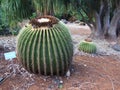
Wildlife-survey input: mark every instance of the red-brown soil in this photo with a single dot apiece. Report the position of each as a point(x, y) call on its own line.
point(88, 73)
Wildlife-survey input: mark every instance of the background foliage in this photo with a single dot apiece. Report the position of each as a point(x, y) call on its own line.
point(99, 13)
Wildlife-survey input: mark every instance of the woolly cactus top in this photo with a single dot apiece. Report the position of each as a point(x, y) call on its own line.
point(44, 21)
point(88, 40)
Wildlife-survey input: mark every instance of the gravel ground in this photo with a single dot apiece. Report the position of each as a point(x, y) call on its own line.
point(9, 42)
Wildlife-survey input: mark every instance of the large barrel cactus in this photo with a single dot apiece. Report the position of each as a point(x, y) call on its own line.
point(44, 46)
point(87, 46)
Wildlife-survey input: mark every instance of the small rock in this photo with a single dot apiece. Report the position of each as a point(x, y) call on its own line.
point(68, 73)
point(64, 21)
point(1, 79)
point(61, 81)
point(45, 79)
point(82, 23)
point(85, 65)
point(6, 49)
point(77, 21)
point(116, 47)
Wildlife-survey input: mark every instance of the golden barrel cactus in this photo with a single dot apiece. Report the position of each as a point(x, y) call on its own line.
point(44, 46)
point(87, 46)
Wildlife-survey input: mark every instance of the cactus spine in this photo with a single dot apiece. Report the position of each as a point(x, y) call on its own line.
point(87, 46)
point(45, 47)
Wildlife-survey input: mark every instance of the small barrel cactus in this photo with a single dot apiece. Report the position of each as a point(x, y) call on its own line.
point(87, 46)
point(44, 46)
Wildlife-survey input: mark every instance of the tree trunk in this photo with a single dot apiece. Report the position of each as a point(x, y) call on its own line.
point(92, 28)
point(118, 40)
point(106, 22)
point(118, 33)
point(113, 26)
point(98, 30)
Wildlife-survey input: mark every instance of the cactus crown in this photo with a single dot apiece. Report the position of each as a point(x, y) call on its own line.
point(88, 40)
point(44, 21)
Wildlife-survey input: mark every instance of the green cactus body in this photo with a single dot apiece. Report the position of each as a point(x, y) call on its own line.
point(45, 48)
point(88, 47)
